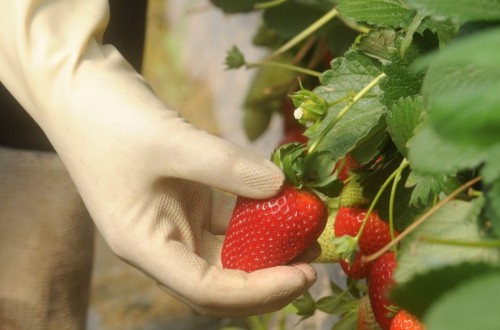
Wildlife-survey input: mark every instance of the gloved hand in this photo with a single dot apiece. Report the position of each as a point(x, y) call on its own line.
point(145, 175)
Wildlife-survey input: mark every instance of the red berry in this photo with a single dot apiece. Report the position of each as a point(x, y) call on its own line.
point(272, 232)
point(380, 281)
point(405, 321)
point(376, 234)
point(357, 270)
point(344, 166)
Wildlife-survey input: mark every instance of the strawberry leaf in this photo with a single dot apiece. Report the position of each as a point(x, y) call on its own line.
point(369, 148)
point(305, 305)
point(445, 30)
point(462, 10)
point(402, 80)
point(457, 221)
point(378, 44)
point(417, 295)
point(473, 305)
point(427, 187)
point(402, 119)
point(319, 166)
point(389, 13)
point(349, 75)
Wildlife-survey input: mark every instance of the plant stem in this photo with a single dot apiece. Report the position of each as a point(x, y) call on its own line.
point(393, 175)
point(342, 112)
point(415, 24)
point(473, 244)
point(285, 66)
point(355, 26)
point(420, 220)
point(304, 34)
point(400, 169)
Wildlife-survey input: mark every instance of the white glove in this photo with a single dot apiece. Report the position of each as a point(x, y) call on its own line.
point(143, 172)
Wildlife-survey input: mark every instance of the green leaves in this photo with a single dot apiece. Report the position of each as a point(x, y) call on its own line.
point(456, 221)
point(348, 76)
point(402, 120)
point(474, 305)
point(311, 171)
point(462, 125)
point(462, 10)
point(389, 13)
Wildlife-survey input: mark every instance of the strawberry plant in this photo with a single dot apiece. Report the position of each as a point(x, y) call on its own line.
point(397, 107)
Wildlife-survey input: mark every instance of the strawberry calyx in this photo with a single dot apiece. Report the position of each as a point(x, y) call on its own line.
point(311, 171)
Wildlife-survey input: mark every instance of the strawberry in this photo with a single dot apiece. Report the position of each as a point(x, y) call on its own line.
point(357, 269)
point(272, 232)
point(345, 166)
point(375, 235)
point(325, 240)
point(352, 194)
point(366, 318)
point(380, 281)
point(405, 321)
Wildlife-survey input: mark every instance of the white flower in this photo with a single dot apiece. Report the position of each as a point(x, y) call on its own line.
point(298, 113)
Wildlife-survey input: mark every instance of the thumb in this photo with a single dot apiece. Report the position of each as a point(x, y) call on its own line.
point(218, 163)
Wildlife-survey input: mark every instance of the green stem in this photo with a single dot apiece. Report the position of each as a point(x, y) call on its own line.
point(305, 33)
point(378, 195)
point(453, 242)
point(285, 66)
point(342, 112)
point(355, 26)
point(400, 169)
point(415, 24)
point(269, 4)
point(420, 220)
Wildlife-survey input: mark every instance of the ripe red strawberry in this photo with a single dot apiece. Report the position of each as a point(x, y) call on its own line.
point(366, 318)
point(380, 281)
point(345, 166)
point(405, 321)
point(272, 232)
point(357, 269)
point(375, 235)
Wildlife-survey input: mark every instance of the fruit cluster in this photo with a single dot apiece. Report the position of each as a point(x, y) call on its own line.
point(363, 233)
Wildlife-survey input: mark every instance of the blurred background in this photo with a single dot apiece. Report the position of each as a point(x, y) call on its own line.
point(186, 45)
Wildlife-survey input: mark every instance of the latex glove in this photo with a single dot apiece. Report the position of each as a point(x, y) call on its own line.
point(144, 173)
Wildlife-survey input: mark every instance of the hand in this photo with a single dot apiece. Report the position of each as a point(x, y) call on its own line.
point(146, 176)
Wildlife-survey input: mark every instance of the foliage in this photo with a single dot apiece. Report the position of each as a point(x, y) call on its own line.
point(413, 81)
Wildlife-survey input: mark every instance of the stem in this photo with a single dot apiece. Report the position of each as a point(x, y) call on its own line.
point(269, 4)
point(420, 220)
point(285, 66)
point(355, 26)
point(393, 175)
point(400, 169)
point(452, 242)
point(415, 24)
point(342, 112)
point(305, 33)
